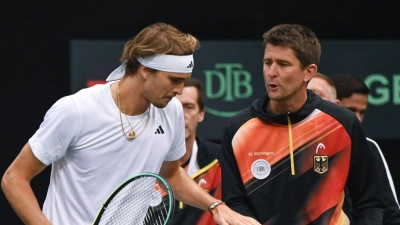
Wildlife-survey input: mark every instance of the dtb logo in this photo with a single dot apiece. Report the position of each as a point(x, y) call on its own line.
point(228, 82)
point(234, 82)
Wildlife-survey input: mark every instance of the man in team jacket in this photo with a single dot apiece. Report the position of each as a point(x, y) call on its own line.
point(200, 160)
point(293, 158)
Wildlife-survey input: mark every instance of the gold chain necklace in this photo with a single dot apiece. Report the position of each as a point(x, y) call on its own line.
point(137, 124)
point(131, 135)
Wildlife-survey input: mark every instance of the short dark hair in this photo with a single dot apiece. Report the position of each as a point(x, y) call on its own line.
point(346, 85)
point(300, 39)
point(192, 82)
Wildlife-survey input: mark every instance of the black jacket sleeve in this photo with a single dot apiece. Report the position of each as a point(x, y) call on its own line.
point(365, 191)
point(391, 214)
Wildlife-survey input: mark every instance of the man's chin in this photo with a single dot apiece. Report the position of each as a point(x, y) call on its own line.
point(163, 103)
point(160, 104)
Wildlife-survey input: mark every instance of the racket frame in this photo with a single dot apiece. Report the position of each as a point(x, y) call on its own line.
point(168, 189)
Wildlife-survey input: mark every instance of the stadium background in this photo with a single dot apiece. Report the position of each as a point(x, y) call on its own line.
point(35, 49)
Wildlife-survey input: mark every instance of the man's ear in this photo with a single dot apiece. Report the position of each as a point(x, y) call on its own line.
point(201, 115)
point(337, 101)
point(311, 70)
point(144, 72)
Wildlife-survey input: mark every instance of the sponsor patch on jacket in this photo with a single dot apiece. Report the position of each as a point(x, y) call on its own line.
point(260, 168)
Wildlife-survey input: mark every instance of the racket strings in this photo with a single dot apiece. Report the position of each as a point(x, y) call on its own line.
point(157, 215)
point(139, 202)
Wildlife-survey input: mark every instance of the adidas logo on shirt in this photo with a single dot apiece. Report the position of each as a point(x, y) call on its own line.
point(159, 130)
point(190, 65)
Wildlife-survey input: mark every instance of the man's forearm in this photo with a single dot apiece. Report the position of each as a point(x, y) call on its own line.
point(22, 199)
point(187, 191)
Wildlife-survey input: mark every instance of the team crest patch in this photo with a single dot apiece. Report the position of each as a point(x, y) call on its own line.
point(260, 169)
point(320, 163)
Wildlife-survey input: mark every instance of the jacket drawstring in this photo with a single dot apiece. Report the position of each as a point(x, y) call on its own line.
point(291, 145)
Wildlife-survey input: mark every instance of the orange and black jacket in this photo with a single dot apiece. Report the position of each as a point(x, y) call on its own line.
point(209, 178)
point(300, 168)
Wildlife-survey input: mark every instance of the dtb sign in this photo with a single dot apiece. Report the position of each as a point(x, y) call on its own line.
point(228, 82)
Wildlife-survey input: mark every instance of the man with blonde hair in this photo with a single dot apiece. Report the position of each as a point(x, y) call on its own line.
point(102, 135)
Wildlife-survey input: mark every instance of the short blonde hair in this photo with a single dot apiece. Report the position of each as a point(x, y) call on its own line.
point(159, 38)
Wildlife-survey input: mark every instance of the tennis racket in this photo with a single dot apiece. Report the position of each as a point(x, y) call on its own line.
point(146, 199)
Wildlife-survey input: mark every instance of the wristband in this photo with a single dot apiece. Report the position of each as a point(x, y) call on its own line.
point(214, 205)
